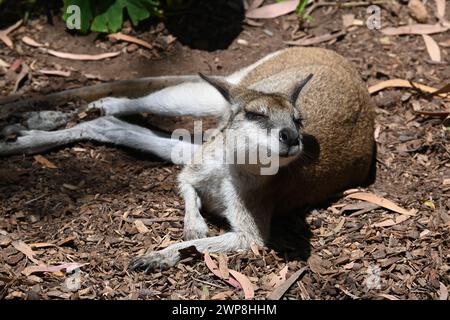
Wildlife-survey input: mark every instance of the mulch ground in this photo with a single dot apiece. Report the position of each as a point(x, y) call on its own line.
point(84, 210)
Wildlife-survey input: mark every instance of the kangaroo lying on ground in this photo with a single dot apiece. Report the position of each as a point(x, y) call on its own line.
point(280, 103)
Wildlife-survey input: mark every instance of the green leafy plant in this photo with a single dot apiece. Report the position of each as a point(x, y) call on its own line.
point(108, 15)
point(300, 11)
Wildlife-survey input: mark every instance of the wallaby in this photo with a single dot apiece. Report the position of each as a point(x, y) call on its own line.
point(286, 102)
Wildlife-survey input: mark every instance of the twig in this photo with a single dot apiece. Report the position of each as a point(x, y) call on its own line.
point(344, 5)
point(35, 199)
point(209, 283)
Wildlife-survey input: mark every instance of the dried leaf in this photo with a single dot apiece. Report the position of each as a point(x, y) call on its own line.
point(83, 57)
point(26, 250)
point(56, 73)
point(388, 296)
point(22, 75)
point(390, 222)
point(4, 33)
point(255, 4)
point(27, 40)
point(69, 267)
point(432, 48)
point(401, 83)
point(444, 89)
point(140, 226)
point(127, 38)
point(414, 29)
point(245, 284)
point(212, 266)
point(382, 202)
point(273, 10)
point(279, 291)
point(45, 162)
point(317, 40)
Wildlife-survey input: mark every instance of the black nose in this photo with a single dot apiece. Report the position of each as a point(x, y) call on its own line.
point(289, 137)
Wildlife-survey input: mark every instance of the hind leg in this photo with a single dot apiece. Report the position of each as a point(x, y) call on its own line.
point(197, 99)
point(105, 129)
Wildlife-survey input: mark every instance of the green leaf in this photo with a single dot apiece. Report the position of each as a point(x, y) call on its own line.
point(107, 15)
point(111, 20)
point(137, 11)
point(301, 7)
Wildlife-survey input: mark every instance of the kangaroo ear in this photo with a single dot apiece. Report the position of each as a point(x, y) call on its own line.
point(298, 88)
point(222, 86)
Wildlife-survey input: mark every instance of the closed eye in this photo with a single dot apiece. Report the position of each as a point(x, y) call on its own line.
point(298, 121)
point(254, 116)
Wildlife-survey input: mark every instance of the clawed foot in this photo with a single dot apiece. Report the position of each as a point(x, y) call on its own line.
point(154, 261)
point(108, 106)
point(197, 230)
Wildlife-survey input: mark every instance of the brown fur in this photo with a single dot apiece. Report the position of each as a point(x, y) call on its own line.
point(337, 112)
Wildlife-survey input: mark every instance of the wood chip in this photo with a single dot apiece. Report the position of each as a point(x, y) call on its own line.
point(316, 40)
point(223, 266)
point(440, 8)
point(418, 11)
point(443, 291)
point(45, 162)
point(4, 64)
point(255, 249)
point(279, 291)
point(140, 226)
point(40, 245)
point(70, 186)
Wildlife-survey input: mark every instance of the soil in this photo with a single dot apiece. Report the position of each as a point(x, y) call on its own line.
point(84, 210)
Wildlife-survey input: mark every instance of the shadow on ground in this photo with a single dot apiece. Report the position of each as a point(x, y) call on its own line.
point(206, 25)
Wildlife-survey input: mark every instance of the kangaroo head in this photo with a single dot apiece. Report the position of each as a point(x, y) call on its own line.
point(269, 121)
